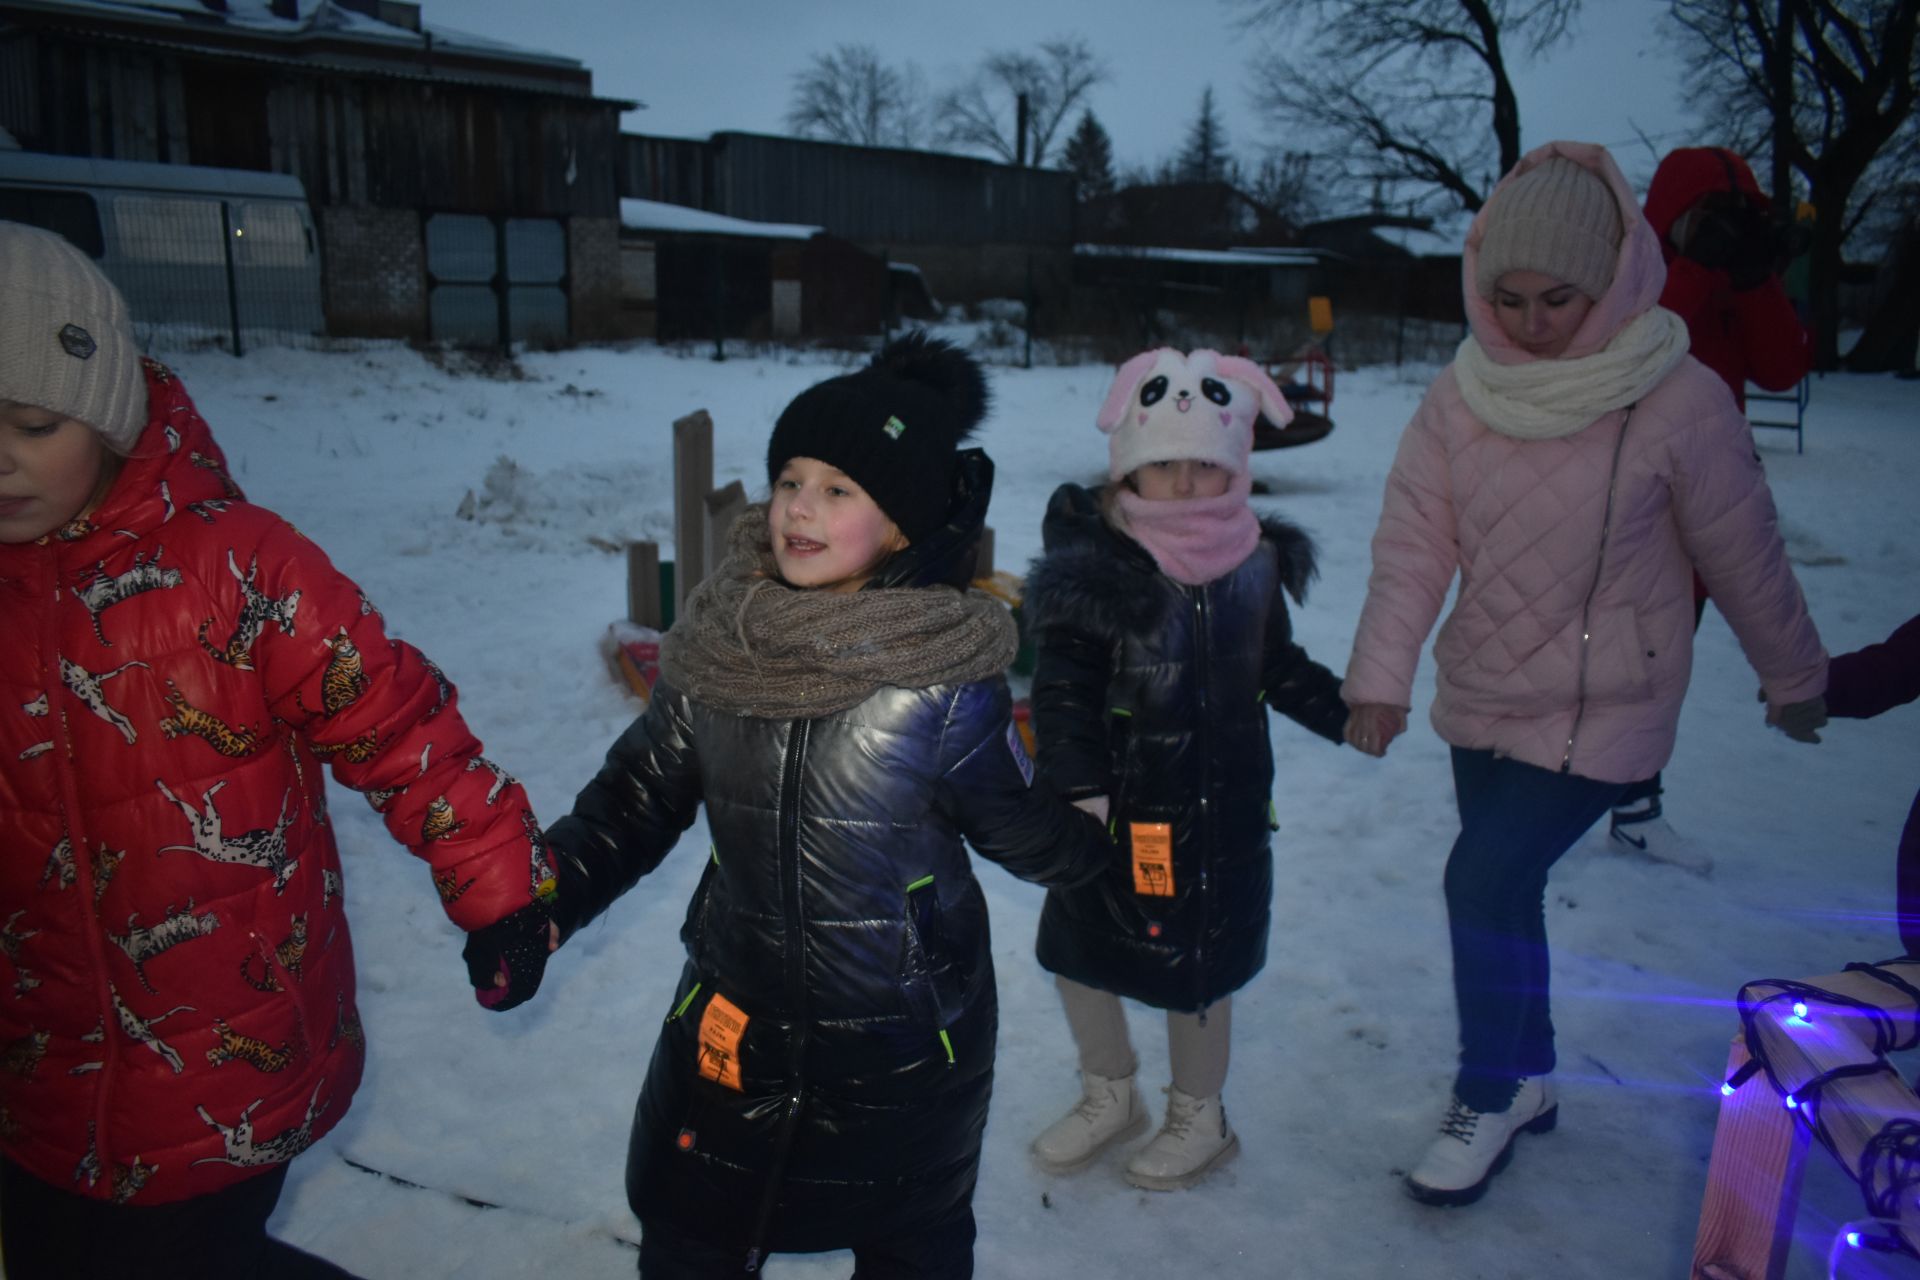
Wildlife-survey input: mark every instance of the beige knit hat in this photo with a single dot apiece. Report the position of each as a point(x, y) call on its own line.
point(1558, 218)
point(66, 342)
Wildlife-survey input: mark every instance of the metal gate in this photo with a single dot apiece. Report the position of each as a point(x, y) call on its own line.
point(496, 280)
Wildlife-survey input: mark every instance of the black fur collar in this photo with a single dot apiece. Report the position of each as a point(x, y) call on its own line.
point(1090, 569)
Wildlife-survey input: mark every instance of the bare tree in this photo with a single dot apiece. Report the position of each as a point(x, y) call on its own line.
point(850, 95)
point(984, 113)
point(1287, 185)
point(1825, 86)
point(1414, 95)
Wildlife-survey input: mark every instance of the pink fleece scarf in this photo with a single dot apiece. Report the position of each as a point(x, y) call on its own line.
point(1193, 540)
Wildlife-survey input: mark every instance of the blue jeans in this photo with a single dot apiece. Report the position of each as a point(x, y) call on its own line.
point(1516, 820)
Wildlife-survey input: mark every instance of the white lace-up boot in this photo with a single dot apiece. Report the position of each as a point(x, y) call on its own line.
point(1475, 1145)
point(1110, 1110)
point(1194, 1141)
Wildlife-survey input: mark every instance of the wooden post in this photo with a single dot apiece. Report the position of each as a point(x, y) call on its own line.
point(692, 480)
point(983, 562)
point(643, 584)
point(1753, 1183)
point(719, 510)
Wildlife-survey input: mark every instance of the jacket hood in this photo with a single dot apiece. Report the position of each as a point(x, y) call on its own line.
point(1638, 276)
point(1687, 174)
point(945, 557)
point(174, 464)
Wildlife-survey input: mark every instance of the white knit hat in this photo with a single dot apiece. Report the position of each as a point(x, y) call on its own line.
point(1558, 218)
point(66, 342)
point(1164, 406)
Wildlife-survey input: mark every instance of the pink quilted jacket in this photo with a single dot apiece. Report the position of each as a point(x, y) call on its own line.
point(1571, 642)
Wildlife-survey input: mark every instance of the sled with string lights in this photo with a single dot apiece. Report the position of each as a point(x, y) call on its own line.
point(1811, 1062)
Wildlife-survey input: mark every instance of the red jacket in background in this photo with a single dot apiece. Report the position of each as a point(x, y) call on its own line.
point(1862, 684)
point(177, 988)
point(1752, 335)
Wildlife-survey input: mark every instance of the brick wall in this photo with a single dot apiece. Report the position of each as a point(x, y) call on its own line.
point(375, 272)
point(593, 262)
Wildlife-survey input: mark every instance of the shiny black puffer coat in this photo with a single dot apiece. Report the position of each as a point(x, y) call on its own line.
point(839, 912)
point(1154, 694)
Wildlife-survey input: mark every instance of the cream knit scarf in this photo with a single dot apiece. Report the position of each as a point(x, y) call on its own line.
point(1547, 399)
point(750, 645)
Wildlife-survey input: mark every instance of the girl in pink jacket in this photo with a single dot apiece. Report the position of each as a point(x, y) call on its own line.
point(1575, 466)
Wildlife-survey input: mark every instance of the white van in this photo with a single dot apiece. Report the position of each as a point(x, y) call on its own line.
point(229, 253)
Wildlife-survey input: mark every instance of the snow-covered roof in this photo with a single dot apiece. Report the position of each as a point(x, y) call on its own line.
point(656, 215)
point(1219, 257)
point(256, 17)
point(1443, 238)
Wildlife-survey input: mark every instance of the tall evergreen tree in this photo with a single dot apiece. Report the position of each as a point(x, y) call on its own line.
point(1089, 158)
point(1204, 157)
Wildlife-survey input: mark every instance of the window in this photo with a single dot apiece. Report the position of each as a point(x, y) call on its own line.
point(170, 230)
point(70, 213)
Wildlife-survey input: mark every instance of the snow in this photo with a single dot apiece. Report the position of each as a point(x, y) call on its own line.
point(1343, 1045)
point(656, 215)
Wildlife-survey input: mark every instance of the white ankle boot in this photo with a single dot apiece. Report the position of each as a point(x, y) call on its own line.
point(1110, 1110)
point(1194, 1141)
point(1475, 1145)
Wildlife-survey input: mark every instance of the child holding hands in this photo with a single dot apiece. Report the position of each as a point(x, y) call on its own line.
point(822, 1075)
point(1159, 606)
point(176, 667)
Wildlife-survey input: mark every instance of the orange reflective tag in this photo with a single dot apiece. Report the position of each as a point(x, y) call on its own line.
point(721, 1028)
point(1152, 858)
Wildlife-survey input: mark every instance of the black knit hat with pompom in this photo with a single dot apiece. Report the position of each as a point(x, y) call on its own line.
point(893, 427)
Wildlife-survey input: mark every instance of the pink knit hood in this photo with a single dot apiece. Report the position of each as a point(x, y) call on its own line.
point(1637, 279)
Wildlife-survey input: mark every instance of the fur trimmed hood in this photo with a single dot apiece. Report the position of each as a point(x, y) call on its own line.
point(1090, 569)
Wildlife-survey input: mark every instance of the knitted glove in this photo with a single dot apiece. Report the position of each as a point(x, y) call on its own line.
point(1799, 720)
point(516, 947)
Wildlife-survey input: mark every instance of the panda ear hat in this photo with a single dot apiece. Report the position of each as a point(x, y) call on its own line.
point(893, 427)
point(1164, 406)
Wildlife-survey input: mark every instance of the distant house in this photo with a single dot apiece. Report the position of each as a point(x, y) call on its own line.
point(691, 275)
point(462, 188)
point(1189, 215)
point(973, 229)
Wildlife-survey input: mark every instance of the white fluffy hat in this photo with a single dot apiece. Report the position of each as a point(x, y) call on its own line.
point(1165, 406)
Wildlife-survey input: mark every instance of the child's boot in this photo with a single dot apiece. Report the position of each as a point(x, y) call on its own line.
point(1110, 1110)
point(1194, 1141)
point(1475, 1145)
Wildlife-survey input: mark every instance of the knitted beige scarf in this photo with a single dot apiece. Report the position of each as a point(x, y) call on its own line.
point(1547, 399)
point(750, 645)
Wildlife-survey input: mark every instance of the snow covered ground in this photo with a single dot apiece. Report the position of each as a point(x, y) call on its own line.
point(1343, 1046)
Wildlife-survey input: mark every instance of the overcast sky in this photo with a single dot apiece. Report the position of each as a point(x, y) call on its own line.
point(702, 66)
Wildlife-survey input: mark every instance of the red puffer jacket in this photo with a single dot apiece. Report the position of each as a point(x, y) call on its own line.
point(176, 993)
point(1748, 335)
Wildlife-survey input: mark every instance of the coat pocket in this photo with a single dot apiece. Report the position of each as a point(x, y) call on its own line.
point(1617, 658)
point(931, 983)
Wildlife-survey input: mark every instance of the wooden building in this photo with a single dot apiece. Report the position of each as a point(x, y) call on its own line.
point(462, 188)
point(973, 228)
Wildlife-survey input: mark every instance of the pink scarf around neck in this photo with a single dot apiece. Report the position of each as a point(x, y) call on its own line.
point(1193, 540)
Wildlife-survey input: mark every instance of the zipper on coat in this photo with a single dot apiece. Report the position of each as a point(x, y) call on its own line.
point(1586, 606)
point(1202, 639)
point(793, 920)
point(78, 847)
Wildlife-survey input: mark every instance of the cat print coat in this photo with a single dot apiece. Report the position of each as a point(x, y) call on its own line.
point(176, 979)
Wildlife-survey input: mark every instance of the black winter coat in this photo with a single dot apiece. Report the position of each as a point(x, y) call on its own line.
point(1153, 693)
point(839, 913)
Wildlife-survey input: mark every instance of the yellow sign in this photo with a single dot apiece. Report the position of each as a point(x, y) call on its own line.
point(1320, 314)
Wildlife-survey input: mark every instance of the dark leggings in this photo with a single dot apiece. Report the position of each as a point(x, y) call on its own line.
point(1516, 820)
point(50, 1234)
point(937, 1253)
